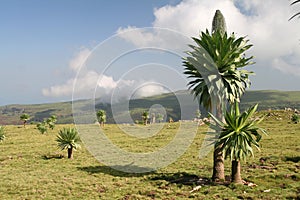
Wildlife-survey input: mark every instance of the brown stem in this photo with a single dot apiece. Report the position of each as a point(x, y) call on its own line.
point(218, 166)
point(70, 153)
point(236, 172)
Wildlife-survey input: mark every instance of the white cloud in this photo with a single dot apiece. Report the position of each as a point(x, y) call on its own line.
point(79, 59)
point(90, 83)
point(285, 67)
point(149, 89)
point(106, 82)
point(159, 38)
point(138, 38)
point(264, 22)
point(84, 83)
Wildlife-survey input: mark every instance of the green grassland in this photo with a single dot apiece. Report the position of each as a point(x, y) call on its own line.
point(32, 167)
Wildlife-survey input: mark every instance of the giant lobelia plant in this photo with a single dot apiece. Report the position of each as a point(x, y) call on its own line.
point(69, 139)
point(215, 66)
point(101, 117)
point(2, 135)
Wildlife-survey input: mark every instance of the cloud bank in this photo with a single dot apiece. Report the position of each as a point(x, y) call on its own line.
point(90, 83)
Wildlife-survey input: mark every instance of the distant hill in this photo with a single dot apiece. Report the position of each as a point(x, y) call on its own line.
point(267, 99)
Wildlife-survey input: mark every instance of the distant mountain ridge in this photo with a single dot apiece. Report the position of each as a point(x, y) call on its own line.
point(267, 99)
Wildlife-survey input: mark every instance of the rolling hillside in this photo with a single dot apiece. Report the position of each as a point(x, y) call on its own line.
point(267, 100)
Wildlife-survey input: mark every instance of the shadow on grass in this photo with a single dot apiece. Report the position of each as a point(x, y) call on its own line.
point(294, 159)
point(183, 178)
point(131, 170)
point(55, 156)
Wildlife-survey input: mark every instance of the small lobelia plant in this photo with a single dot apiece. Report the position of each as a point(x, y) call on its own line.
point(51, 121)
point(153, 118)
point(239, 134)
point(42, 127)
point(145, 117)
point(160, 117)
point(295, 118)
point(101, 117)
point(198, 114)
point(25, 117)
point(69, 139)
point(2, 136)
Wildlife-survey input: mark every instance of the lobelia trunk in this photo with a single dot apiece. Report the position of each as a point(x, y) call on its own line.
point(218, 24)
point(70, 153)
point(218, 166)
point(236, 172)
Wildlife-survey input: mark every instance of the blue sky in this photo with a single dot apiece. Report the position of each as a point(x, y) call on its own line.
point(41, 39)
point(38, 39)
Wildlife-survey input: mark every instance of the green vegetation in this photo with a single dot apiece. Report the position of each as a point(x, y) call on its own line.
point(215, 67)
point(160, 117)
point(198, 114)
point(2, 135)
point(33, 168)
point(153, 118)
point(10, 114)
point(226, 57)
point(145, 117)
point(295, 118)
point(267, 99)
point(237, 137)
point(68, 138)
point(42, 127)
point(51, 121)
point(101, 116)
point(271, 99)
point(25, 117)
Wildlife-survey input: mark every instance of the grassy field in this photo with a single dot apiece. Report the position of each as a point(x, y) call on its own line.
point(32, 167)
